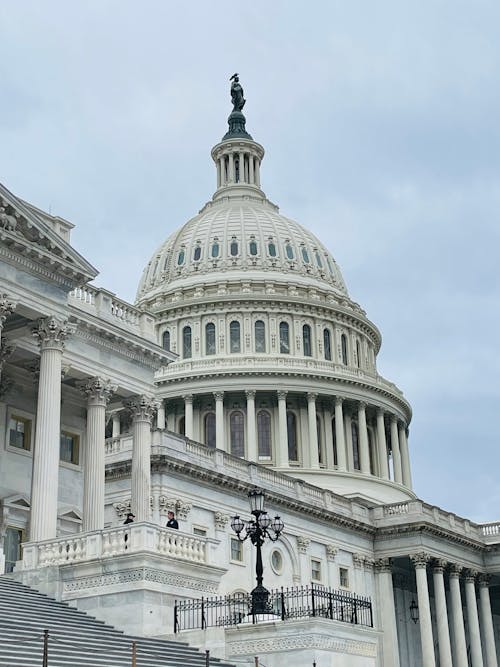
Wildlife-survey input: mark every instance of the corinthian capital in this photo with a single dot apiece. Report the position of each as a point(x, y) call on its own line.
point(420, 560)
point(303, 544)
point(7, 307)
point(97, 390)
point(383, 564)
point(52, 332)
point(5, 351)
point(142, 408)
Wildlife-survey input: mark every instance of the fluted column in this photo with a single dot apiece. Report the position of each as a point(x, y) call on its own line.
point(339, 434)
point(476, 652)
point(219, 420)
point(426, 641)
point(382, 445)
point(383, 576)
point(252, 453)
point(364, 454)
point(116, 432)
point(51, 334)
point(348, 440)
point(160, 415)
point(405, 455)
point(188, 416)
point(98, 392)
point(282, 454)
point(396, 454)
point(327, 417)
point(459, 644)
point(441, 614)
point(490, 653)
point(142, 409)
point(313, 430)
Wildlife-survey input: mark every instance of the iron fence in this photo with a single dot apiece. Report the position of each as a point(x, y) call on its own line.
point(284, 604)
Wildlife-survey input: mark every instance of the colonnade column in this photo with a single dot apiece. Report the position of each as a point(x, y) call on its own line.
point(473, 619)
point(98, 392)
point(231, 168)
point(142, 409)
point(252, 453)
point(382, 445)
point(441, 614)
point(327, 418)
point(116, 429)
point(459, 645)
point(51, 334)
point(383, 576)
point(348, 440)
point(364, 454)
point(251, 176)
point(188, 416)
point(222, 169)
point(487, 622)
point(312, 430)
point(426, 640)
point(282, 453)
point(405, 456)
point(160, 415)
point(219, 420)
point(241, 162)
point(396, 453)
point(339, 434)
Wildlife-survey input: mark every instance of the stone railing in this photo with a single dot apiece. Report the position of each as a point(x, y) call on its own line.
point(118, 541)
point(490, 531)
point(108, 306)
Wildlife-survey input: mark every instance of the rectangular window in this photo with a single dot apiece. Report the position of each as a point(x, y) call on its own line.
point(236, 550)
point(201, 532)
point(343, 577)
point(315, 570)
point(12, 547)
point(69, 447)
point(20, 432)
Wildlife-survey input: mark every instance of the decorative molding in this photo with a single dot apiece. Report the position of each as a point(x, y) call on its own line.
point(7, 307)
point(303, 544)
point(180, 508)
point(358, 561)
point(52, 332)
point(455, 570)
point(382, 565)
point(301, 640)
point(331, 552)
point(98, 390)
point(122, 508)
point(220, 520)
point(142, 408)
point(420, 560)
point(439, 565)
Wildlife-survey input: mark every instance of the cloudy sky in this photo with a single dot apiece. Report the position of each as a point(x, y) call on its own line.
point(381, 127)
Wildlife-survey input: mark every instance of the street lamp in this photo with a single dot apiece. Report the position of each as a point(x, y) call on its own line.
point(258, 529)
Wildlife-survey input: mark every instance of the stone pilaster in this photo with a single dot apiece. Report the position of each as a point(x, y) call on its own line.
point(443, 632)
point(98, 392)
point(383, 578)
point(142, 409)
point(420, 561)
point(476, 652)
point(51, 334)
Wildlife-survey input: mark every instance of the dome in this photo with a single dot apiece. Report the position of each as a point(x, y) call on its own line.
point(243, 237)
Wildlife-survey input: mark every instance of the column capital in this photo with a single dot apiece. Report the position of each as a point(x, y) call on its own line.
point(250, 394)
point(188, 398)
point(382, 564)
point(380, 412)
point(98, 390)
point(331, 552)
point(439, 565)
point(470, 575)
point(455, 570)
point(7, 307)
point(311, 396)
point(362, 405)
point(218, 395)
point(420, 560)
point(52, 332)
point(142, 408)
point(358, 561)
point(282, 395)
point(394, 419)
point(483, 580)
point(303, 544)
point(339, 400)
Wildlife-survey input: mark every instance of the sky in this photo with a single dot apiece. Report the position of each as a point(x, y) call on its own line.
point(380, 122)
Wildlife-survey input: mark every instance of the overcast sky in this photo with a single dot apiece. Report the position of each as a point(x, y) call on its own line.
point(380, 122)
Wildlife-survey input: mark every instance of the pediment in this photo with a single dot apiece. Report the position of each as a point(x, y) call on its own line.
point(24, 232)
point(19, 501)
point(72, 515)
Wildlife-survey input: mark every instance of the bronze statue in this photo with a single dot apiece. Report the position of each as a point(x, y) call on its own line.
point(237, 93)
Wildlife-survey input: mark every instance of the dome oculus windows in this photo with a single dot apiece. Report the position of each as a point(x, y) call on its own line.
point(289, 251)
point(233, 248)
point(197, 253)
point(215, 250)
point(271, 249)
point(252, 246)
point(181, 257)
point(305, 255)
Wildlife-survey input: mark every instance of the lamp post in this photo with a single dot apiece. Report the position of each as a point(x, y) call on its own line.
point(260, 527)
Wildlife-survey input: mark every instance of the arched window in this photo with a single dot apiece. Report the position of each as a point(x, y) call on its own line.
point(271, 249)
point(291, 424)
point(210, 429)
point(253, 248)
point(197, 253)
point(358, 353)
point(180, 257)
point(264, 434)
point(289, 251)
point(233, 248)
point(305, 255)
point(318, 260)
point(210, 338)
point(234, 336)
point(182, 425)
point(330, 266)
point(306, 340)
point(327, 344)
point(343, 344)
point(237, 433)
point(320, 440)
point(186, 343)
point(165, 341)
point(215, 249)
point(260, 336)
point(334, 437)
point(237, 171)
point(284, 338)
point(355, 446)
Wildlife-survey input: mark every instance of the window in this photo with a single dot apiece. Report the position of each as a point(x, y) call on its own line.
point(236, 550)
point(343, 577)
point(20, 432)
point(180, 257)
point(201, 532)
point(330, 266)
point(271, 249)
point(253, 248)
point(215, 249)
point(260, 336)
point(186, 342)
point(182, 426)
point(284, 338)
point(12, 547)
point(315, 570)
point(264, 434)
point(234, 336)
point(289, 251)
point(318, 432)
point(334, 437)
point(69, 450)
point(210, 338)
point(165, 341)
point(305, 255)
point(197, 253)
point(358, 353)
point(237, 171)
point(355, 446)
point(277, 561)
point(306, 340)
point(327, 344)
point(210, 429)
point(318, 259)
point(291, 423)
point(233, 248)
point(343, 343)
point(237, 433)
point(371, 451)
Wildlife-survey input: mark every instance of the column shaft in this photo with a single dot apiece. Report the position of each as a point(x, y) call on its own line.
point(348, 440)
point(219, 420)
point(487, 625)
point(442, 618)
point(188, 416)
point(390, 653)
point(231, 168)
point(339, 434)
point(312, 430)
point(405, 456)
point(459, 644)
point(473, 622)
point(251, 169)
point(116, 425)
point(327, 416)
point(396, 454)
point(142, 409)
point(282, 453)
point(160, 416)
point(364, 454)
point(426, 639)
point(382, 446)
point(252, 453)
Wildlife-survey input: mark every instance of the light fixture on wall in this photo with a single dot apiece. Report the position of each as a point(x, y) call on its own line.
point(414, 613)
